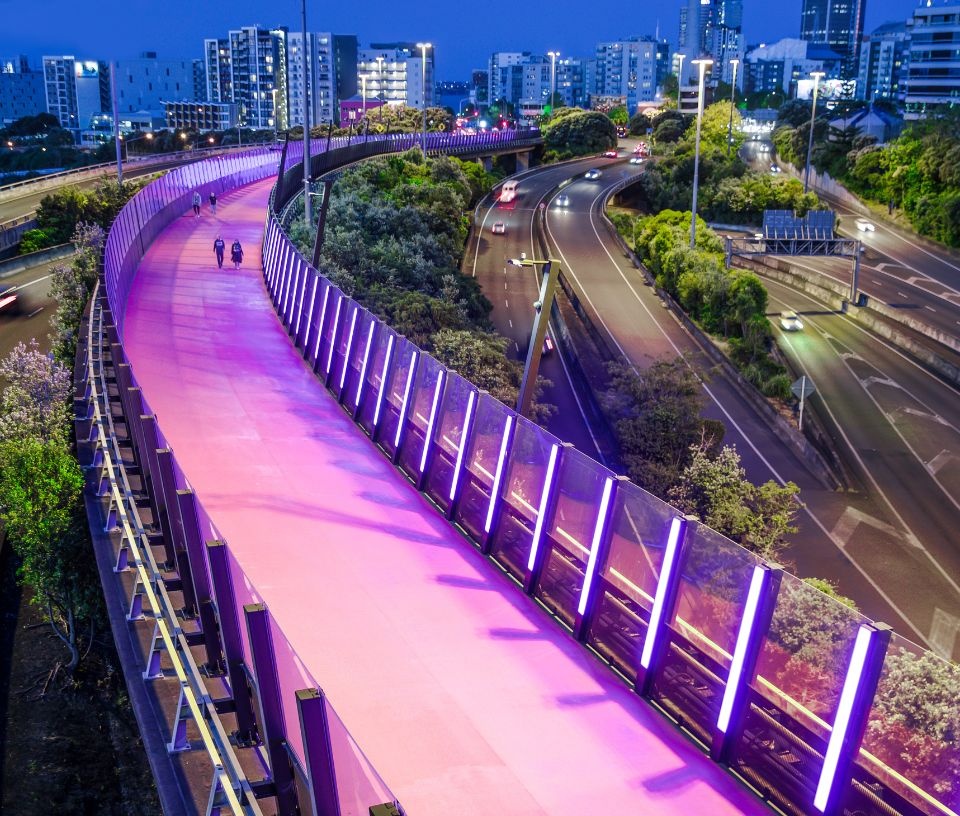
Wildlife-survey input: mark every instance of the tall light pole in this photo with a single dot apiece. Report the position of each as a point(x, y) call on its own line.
point(380, 85)
point(553, 76)
point(305, 64)
point(679, 78)
point(733, 100)
point(548, 286)
point(702, 64)
point(363, 95)
point(423, 76)
point(813, 115)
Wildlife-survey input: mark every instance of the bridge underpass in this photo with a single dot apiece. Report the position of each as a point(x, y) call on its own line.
point(462, 693)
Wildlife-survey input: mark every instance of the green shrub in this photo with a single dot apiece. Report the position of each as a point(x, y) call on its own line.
point(34, 240)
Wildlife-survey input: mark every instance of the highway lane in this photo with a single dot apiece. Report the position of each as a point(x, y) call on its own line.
point(32, 318)
point(901, 426)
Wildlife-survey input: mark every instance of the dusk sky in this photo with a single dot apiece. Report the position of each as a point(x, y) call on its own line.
point(465, 34)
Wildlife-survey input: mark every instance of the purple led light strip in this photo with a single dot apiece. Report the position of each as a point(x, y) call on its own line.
point(740, 650)
point(346, 354)
point(495, 491)
point(541, 512)
point(428, 438)
point(366, 359)
point(323, 314)
point(595, 546)
point(467, 416)
point(383, 381)
point(406, 396)
point(333, 334)
point(666, 575)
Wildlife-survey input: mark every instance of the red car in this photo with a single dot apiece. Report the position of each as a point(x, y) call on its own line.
point(611, 154)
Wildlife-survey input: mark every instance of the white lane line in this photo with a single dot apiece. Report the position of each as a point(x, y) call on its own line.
point(902, 295)
point(476, 251)
point(20, 286)
point(510, 322)
point(930, 309)
point(35, 312)
point(507, 302)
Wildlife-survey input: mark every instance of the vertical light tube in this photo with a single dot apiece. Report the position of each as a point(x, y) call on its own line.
point(366, 359)
point(411, 370)
point(281, 276)
point(333, 334)
point(323, 314)
point(666, 576)
point(313, 299)
point(383, 381)
point(734, 676)
point(495, 490)
point(844, 710)
point(458, 467)
point(428, 438)
point(595, 546)
point(542, 510)
point(346, 354)
point(299, 309)
point(294, 279)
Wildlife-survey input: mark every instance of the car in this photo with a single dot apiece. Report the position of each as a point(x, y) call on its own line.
point(621, 131)
point(547, 346)
point(865, 226)
point(758, 236)
point(9, 302)
point(611, 154)
point(774, 168)
point(562, 200)
point(499, 228)
point(789, 321)
point(637, 160)
point(593, 174)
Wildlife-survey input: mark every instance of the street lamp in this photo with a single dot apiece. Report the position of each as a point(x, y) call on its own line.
point(813, 115)
point(381, 86)
point(679, 77)
point(127, 142)
point(548, 286)
point(553, 76)
point(305, 67)
point(423, 79)
point(363, 95)
point(702, 64)
point(733, 99)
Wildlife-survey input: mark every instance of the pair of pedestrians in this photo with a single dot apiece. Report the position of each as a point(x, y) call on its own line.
point(197, 200)
point(236, 252)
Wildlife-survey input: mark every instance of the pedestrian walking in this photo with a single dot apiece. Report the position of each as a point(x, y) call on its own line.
point(213, 203)
point(196, 204)
point(218, 247)
point(236, 254)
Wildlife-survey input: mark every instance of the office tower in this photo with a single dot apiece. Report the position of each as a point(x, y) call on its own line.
point(933, 76)
point(627, 69)
point(403, 73)
point(498, 61)
point(321, 76)
point(75, 90)
point(883, 62)
point(146, 83)
point(21, 90)
point(837, 24)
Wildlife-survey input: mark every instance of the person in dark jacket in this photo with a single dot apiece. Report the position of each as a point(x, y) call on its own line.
point(213, 202)
point(236, 254)
point(219, 246)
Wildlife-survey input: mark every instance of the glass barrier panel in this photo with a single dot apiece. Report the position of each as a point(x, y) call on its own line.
point(423, 404)
point(331, 328)
point(298, 302)
point(292, 676)
point(912, 741)
point(714, 580)
point(482, 456)
point(523, 496)
point(360, 355)
point(397, 393)
point(321, 308)
point(359, 786)
point(346, 338)
point(374, 389)
point(243, 593)
point(448, 438)
point(569, 533)
point(639, 525)
point(305, 312)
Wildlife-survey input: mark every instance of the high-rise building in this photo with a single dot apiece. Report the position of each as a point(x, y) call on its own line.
point(712, 29)
point(780, 66)
point(480, 87)
point(76, 90)
point(395, 73)
point(217, 72)
point(498, 61)
point(628, 69)
point(572, 76)
point(21, 90)
point(883, 62)
point(146, 83)
point(345, 48)
point(933, 76)
point(321, 74)
point(837, 24)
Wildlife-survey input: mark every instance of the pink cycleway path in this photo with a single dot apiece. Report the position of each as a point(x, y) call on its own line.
point(461, 692)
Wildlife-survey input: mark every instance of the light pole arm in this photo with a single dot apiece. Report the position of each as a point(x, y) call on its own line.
point(531, 368)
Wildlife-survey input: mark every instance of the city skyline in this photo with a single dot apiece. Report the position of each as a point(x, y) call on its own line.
point(53, 28)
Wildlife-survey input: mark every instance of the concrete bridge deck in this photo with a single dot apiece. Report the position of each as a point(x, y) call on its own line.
point(461, 692)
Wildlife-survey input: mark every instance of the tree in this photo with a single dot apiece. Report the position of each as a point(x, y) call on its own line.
point(668, 131)
point(482, 359)
point(794, 112)
point(71, 287)
point(578, 133)
point(35, 402)
point(41, 507)
point(618, 115)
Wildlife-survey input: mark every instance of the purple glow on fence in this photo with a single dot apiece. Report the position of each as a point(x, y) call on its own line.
point(333, 334)
point(281, 272)
point(495, 491)
point(313, 297)
point(383, 381)
point(542, 511)
point(291, 298)
point(299, 309)
point(286, 275)
point(458, 467)
point(740, 651)
point(666, 575)
point(323, 314)
point(366, 359)
point(406, 398)
point(346, 354)
point(595, 546)
point(428, 438)
point(842, 722)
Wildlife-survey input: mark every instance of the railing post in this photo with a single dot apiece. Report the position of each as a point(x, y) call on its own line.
point(173, 528)
point(318, 752)
point(232, 640)
point(599, 546)
point(545, 510)
point(271, 706)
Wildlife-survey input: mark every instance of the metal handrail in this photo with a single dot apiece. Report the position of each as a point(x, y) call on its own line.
point(228, 774)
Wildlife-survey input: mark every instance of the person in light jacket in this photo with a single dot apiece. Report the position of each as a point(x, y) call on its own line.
point(196, 204)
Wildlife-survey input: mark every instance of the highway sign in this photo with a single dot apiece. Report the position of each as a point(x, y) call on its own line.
point(803, 388)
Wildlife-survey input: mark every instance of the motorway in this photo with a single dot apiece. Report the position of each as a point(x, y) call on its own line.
point(887, 541)
point(32, 319)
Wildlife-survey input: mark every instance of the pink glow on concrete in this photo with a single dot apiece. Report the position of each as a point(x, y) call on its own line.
point(461, 692)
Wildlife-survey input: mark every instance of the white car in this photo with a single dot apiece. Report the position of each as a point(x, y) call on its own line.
point(774, 168)
point(789, 321)
point(593, 174)
point(636, 160)
point(562, 200)
point(865, 226)
point(499, 228)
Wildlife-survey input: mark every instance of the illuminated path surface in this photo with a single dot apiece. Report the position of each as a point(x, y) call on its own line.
point(460, 690)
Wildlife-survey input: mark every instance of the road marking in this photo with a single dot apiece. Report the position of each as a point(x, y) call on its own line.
point(930, 309)
point(866, 382)
point(35, 312)
point(507, 302)
point(902, 295)
point(851, 518)
point(510, 322)
point(939, 460)
point(516, 346)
